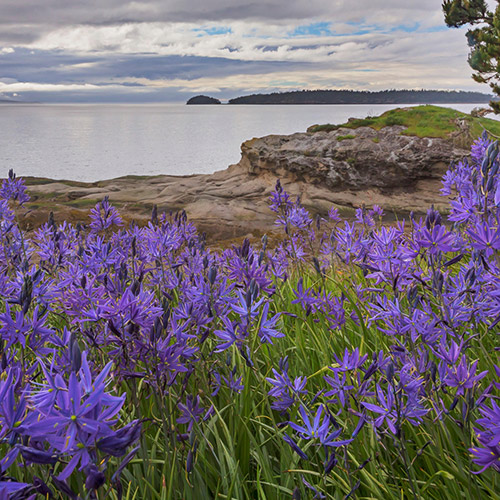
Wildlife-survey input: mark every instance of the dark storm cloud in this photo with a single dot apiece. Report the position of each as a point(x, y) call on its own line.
point(55, 67)
point(19, 34)
point(61, 12)
point(38, 66)
point(192, 67)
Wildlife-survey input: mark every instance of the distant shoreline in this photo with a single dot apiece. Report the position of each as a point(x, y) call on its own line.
point(332, 97)
point(364, 97)
point(17, 102)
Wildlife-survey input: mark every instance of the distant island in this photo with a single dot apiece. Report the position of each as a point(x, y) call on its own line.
point(203, 99)
point(365, 97)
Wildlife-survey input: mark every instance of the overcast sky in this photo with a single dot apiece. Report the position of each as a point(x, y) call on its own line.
point(169, 50)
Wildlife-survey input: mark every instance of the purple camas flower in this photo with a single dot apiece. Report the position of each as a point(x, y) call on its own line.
point(437, 240)
point(73, 416)
point(333, 214)
point(385, 408)
point(377, 210)
point(385, 237)
point(488, 434)
point(117, 443)
point(279, 199)
point(449, 355)
point(13, 188)
point(315, 429)
point(463, 211)
point(18, 328)
point(297, 217)
point(234, 384)
point(486, 457)
point(10, 488)
point(305, 297)
point(15, 329)
point(14, 415)
point(267, 330)
point(104, 216)
point(395, 407)
point(490, 421)
point(285, 392)
point(247, 308)
point(486, 238)
point(349, 361)
point(364, 218)
point(318, 429)
point(463, 375)
point(338, 387)
point(190, 412)
point(230, 334)
point(349, 241)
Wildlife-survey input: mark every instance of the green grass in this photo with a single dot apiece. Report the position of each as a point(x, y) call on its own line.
point(421, 121)
point(345, 137)
point(82, 203)
point(41, 181)
point(241, 453)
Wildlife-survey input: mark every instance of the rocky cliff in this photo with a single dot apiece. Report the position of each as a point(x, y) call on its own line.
point(358, 159)
point(344, 167)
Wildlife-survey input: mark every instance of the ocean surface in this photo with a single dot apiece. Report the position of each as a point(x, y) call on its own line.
point(90, 142)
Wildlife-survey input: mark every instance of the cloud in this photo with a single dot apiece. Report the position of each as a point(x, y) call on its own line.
point(143, 49)
point(98, 12)
point(243, 41)
point(26, 21)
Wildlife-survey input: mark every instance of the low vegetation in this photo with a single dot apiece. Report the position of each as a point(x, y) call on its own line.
point(423, 121)
point(341, 138)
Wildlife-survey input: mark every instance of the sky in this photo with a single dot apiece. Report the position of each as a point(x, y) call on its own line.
point(170, 50)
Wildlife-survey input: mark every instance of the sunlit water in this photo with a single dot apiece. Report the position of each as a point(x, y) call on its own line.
point(93, 142)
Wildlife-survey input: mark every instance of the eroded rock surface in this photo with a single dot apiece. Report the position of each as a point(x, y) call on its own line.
point(362, 158)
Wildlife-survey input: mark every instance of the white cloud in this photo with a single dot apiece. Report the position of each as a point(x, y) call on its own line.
point(245, 41)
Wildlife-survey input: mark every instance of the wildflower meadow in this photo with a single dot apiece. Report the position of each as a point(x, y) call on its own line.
point(353, 360)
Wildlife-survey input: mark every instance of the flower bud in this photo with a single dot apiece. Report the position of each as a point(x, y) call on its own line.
point(95, 478)
point(212, 274)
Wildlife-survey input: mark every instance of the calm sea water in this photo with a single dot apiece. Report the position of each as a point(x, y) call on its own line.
point(94, 142)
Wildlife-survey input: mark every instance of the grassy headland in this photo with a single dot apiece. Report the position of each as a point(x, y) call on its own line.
point(422, 121)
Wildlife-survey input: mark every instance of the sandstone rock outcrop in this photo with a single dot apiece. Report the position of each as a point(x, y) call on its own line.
point(357, 159)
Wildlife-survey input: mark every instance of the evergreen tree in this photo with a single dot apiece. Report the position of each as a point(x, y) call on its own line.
point(483, 39)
